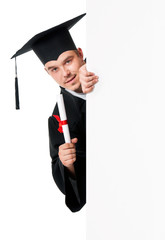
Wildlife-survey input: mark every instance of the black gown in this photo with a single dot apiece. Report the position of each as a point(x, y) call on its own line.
point(74, 189)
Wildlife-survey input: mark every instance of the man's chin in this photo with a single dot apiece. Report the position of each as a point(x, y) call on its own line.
point(78, 89)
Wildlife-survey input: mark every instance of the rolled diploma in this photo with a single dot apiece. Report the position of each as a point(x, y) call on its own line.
point(61, 107)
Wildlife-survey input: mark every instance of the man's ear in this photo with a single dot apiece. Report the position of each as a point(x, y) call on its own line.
point(80, 53)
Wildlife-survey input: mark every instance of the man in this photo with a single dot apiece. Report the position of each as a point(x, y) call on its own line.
point(65, 64)
point(69, 159)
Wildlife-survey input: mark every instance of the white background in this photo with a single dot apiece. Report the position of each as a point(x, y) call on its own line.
point(31, 206)
point(126, 120)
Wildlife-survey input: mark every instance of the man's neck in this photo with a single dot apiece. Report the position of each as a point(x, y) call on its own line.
point(80, 95)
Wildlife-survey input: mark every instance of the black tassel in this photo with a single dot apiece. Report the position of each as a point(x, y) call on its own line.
point(16, 87)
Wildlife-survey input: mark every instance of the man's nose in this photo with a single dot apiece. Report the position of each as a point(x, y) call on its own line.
point(66, 72)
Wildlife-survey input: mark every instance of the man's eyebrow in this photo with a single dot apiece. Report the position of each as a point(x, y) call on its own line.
point(54, 66)
point(51, 67)
point(67, 58)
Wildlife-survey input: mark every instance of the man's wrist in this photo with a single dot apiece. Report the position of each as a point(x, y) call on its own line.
point(71, 171)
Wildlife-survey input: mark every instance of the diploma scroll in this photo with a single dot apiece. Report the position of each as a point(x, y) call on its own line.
point(63, 117)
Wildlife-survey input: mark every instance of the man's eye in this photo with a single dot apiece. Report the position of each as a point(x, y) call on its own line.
point(68, 61)
point(55, 69)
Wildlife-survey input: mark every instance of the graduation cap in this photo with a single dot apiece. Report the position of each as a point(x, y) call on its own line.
point(48, 45)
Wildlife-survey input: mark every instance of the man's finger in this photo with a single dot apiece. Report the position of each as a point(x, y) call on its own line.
point(68, 151)
point(90, 79)
point(89, 74)
point(68, 157)
point(91, 83)
point(88, 90)
point(74, 140)
point(66, 146)
point(69, 162)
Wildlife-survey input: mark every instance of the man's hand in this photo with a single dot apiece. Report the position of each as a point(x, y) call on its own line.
point(67, 155)
point(87, 79)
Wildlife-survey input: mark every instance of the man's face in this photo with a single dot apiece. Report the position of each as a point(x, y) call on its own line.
point(65, 70)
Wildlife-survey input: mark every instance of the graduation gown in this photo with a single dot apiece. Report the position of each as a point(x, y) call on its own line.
point(73, 189)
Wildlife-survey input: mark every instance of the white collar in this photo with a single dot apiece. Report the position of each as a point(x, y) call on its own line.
point(80, 95)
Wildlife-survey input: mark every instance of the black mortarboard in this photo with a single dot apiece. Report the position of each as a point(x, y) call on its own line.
point(48, 45)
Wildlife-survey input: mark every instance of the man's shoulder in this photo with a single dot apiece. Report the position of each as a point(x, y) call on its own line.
point(73, 105)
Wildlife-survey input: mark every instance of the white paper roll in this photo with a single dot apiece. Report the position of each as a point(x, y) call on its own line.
point(63, 117)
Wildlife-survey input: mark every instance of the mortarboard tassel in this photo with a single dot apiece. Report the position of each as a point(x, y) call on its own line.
point(16, 87)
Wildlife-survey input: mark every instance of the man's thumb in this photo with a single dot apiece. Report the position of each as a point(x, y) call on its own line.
point(74, 140)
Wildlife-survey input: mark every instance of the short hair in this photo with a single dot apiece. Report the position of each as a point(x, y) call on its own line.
point(77, 52)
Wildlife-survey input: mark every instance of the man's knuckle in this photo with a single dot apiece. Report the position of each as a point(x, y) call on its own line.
point(86, 74)
point(63, 162)
point(73, 160)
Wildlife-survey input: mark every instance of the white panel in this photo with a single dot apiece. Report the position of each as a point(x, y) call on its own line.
point(126, 130)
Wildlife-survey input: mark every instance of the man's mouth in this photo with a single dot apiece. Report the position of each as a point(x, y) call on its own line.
point(70, 79)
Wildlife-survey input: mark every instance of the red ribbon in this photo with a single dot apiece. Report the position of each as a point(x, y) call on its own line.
point(61, 123)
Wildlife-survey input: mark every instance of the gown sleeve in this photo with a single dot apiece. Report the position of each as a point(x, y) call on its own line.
point(63, 180)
